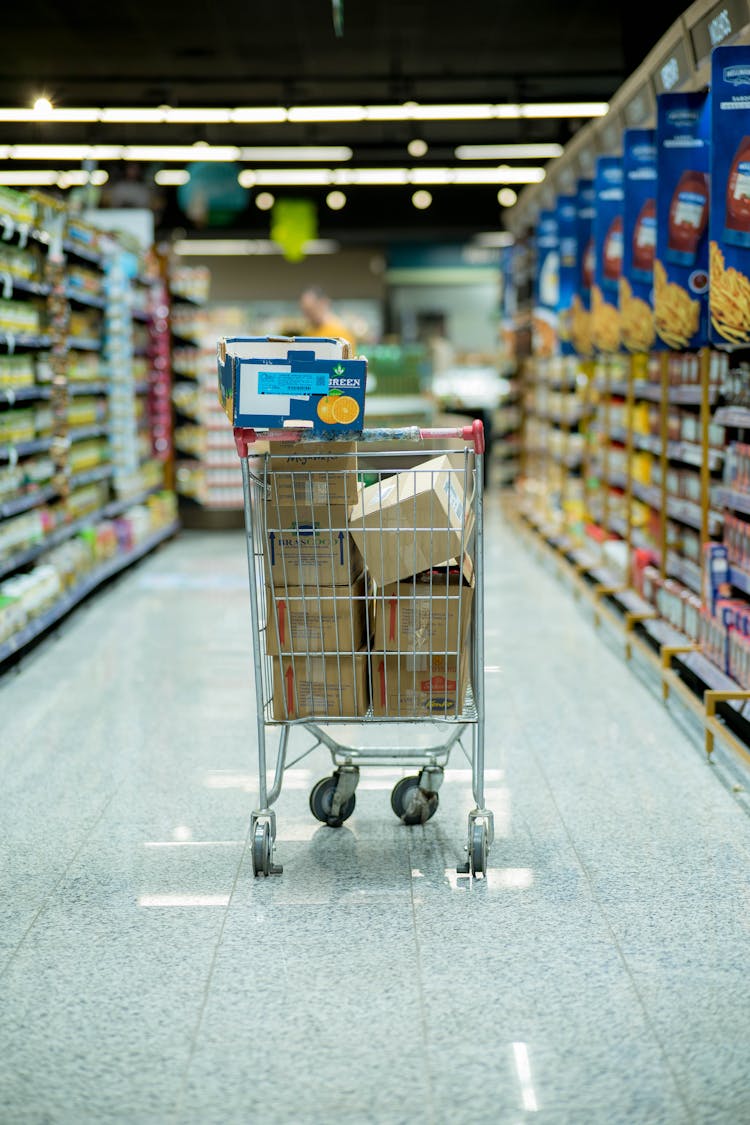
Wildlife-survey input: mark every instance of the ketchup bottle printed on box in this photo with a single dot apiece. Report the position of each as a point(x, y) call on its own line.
point(737, 225)
point(612, 253)
point(644, 242)
point(688, 215)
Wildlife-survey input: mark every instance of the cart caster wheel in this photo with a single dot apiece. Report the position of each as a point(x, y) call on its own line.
point(479, 848)
point(410, 803)
point(262, 848)
point(321, 801)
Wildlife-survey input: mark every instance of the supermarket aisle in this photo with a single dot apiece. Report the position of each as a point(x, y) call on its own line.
point(598, 975)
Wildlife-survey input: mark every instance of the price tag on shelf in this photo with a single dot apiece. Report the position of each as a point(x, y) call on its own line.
point(724, 20)
point(7, 285)
point(9, 227)
point(10, 342)
point(23, 235)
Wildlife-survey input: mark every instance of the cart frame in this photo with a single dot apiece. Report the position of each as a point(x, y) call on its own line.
point(414, 799)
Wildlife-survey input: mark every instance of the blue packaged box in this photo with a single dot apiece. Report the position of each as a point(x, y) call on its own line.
point(729, 222)
point(298, 383)
point(639, 240)
point(580, 316)
point(608, 248)
point(682, 194)
point(546, 285)
point(567, 235)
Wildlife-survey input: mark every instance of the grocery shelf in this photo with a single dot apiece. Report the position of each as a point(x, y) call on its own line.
point(24, 503)
point(142, 388)
point(190, 341)
point(82, 344)
point(21, 285)
point(647, 392)
point(689, 513)
point(10, 341)
point(736, 501)
point(91, 476)
point(98, 388)
point(87, 299)
point(184, 298)
point(91, 256)
point(686, 571)
point(140, 315)
point(83, 433)
point(737, 416)
point(23, 448)
point(740, 579)
point(66, 531)
point(73, 597)
point(12, 395)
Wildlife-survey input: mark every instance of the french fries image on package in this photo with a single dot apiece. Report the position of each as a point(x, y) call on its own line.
point(676, 314)
point(729, 299)
point(636, 320)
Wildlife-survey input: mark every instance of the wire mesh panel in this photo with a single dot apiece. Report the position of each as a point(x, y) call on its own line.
point(365, 584)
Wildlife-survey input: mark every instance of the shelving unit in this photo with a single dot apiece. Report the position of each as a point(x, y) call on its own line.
point(62, 386)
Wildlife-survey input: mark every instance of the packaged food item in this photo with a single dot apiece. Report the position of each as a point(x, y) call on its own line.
point(333, 620)
point(320, 686)
point(419, 686)
point(430, 613)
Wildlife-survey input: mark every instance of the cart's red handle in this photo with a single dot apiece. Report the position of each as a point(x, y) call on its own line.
point(473, 434)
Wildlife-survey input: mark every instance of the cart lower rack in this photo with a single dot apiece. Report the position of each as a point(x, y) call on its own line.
point(367, 606)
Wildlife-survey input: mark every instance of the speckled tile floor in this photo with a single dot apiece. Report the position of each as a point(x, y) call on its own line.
point(599, 974)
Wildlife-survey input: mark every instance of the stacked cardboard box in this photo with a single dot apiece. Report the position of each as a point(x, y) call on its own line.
point(316, 594)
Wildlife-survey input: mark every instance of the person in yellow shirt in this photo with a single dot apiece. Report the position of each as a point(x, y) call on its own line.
point(321, 320)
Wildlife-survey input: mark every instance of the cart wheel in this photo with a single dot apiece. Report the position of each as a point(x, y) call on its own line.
point(410, 803)
point(479, 848)
point(262, 848)
point(321, 800)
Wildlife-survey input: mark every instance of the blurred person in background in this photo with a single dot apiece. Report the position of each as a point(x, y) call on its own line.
point(321, 320)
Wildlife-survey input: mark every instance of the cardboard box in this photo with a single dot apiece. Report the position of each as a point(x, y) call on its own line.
point(309, 383)
point(424, 615)
point(413, 687)
point(311, 554)
point(320, 686)
point(311, 477)
point(332, 622)
point(414, 520)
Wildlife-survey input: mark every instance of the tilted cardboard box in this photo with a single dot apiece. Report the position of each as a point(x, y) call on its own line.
point(429, 613)
point(414, 520)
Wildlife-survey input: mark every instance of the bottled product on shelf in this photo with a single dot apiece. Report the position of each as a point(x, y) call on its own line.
point(81, 495)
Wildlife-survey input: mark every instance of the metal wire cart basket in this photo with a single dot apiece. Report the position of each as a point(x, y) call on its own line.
point(367, 606)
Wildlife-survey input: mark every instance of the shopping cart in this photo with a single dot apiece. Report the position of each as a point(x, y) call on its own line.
point(367, 606)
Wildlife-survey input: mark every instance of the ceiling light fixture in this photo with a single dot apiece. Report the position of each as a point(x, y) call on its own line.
point(264, 200)
point(506, 197)
point(383, 177)
point(508, 152)
point(274, 115)
point(172, 177)
point(417, 148)
point(223, 154)
point(492, 239)
point(48, 177)
point(336, 200)
point(290, 153)
point(421, 200)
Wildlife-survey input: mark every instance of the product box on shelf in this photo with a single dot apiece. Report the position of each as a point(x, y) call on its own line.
point(639, 239)
point(416, 686)
point(292, 383)
point(546, 285)
point(429, 613)
point(331, 619)
point(715, 575)
point(312, 477)
point(729, 223)
point(567, 234)
point(608, 251)
point(682, 199)
point(320, 686)
point(413, 520)
point(580, 313)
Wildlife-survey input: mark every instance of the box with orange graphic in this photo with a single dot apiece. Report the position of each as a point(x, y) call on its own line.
point(419, 686)
point(311, 384)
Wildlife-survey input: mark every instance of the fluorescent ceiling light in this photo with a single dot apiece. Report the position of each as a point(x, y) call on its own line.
point(132, 116)
point(290, 154)
point(431, 176)
point(267, 115)
point(14, 178)
point(172, 177)
point(65, 152)
point(258, 115)
point(327, 113)
point(222, 153)
point(288, 177)
point(508, 152)
point(505, 174)
point(239, 247)
point(564, 109)
point(371, 176)
point(198, 116)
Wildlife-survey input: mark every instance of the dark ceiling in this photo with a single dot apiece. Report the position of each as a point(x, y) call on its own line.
point(286, 53)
